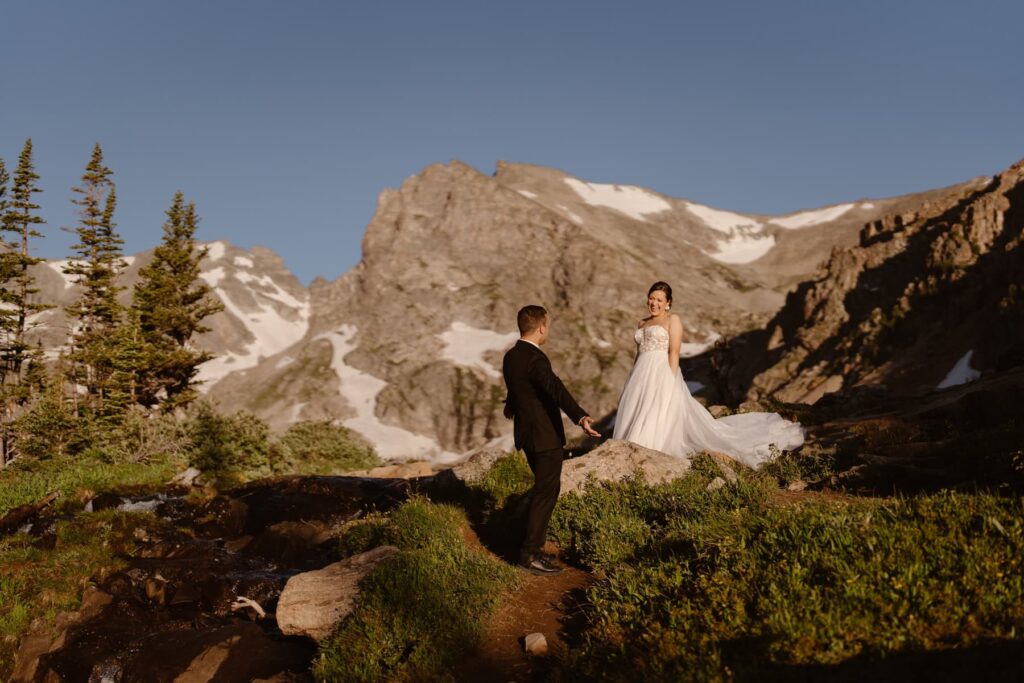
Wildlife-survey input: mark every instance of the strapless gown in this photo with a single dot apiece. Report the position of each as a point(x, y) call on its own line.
point(656, 410)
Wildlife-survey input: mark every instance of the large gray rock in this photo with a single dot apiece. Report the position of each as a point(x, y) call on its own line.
point(615, 460)
point(312, 603)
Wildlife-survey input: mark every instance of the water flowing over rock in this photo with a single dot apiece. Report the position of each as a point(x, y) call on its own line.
point(313, 603)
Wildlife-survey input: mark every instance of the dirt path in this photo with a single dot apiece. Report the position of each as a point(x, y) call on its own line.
point(538, 606)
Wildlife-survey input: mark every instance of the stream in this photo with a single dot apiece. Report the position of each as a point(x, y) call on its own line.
point(197, 601)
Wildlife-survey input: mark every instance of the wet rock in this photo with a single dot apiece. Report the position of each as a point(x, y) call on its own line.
point(42, 641)
point(19, 516)
point(536, 644)
point(615, 460)
point(312, 603)
point(295, 544)
point(106, 501)
point(189, 477)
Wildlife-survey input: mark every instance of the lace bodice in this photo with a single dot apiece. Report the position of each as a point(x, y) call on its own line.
point(652, 338)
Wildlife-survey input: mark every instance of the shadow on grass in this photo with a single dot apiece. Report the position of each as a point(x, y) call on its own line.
point(990, 660)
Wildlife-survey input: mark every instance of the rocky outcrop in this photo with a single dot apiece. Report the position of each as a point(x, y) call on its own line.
point(406, 347)
point(312, 603)
point(928, 298)
point(615, 460)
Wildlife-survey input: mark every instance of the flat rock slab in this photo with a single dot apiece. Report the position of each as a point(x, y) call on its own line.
point(313, 603)
point(615, 460)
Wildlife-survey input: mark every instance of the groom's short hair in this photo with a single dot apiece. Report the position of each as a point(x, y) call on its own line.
point(530, 318)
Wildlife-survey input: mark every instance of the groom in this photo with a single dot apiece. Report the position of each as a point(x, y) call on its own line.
point(535, 396)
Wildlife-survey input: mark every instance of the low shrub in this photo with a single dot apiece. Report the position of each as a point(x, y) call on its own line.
point(731, 583)
point(322, 447)
point(233, 447)
point(420, 612)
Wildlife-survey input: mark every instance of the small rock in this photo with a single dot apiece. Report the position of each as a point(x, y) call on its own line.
point(798, 485)
point(536, 644)
point(187, 478)
point(719, 411)
point(716, 484)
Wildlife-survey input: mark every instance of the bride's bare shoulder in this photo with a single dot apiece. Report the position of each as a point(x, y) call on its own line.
point(675, 321)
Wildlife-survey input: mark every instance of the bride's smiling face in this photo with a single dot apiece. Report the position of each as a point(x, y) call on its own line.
point(657, 303)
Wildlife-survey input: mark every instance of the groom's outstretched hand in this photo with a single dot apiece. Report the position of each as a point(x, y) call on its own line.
point(587, 423)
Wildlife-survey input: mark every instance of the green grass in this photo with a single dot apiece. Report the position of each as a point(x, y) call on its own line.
point(705, 585)
point(509, 476)
point(37, 584)
point(30, 481)
point(421, 611)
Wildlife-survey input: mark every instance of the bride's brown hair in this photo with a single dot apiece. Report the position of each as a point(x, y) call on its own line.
point(660, 286)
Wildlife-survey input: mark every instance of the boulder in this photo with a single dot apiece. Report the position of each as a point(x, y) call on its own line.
point(615, 460)
point(313, 603)
point(473, 469)
point(189, 477)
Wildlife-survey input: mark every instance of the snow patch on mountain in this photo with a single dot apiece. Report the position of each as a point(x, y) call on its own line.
point(243, 262)
point(635, 202)
point(723, 221)
point(274, 320)
point(806, 219)
point(213, 276)
point(465, 345)
point(691, 349)
point(360, 390)
point(58, 267)
point(216, 250)
point(527, 194)
point(743, 247)
point(572, 216)
point(962, 372)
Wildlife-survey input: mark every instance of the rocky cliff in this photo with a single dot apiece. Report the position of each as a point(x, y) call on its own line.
point(406, 347)
point(931, 296)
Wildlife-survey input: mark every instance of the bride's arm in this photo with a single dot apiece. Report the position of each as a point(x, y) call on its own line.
point(675, 340)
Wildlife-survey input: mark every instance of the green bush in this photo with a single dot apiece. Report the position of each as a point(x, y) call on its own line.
point(49, 428)
point(420, 612)
point(322, 447)
point(233, 447)
point(731, 583)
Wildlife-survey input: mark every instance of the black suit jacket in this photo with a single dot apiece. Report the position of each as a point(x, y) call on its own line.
point(535, 396)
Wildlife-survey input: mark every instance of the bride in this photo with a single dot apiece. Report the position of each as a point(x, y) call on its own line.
point(657, 411)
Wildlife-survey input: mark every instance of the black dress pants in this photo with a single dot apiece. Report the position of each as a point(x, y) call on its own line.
point(547, 482)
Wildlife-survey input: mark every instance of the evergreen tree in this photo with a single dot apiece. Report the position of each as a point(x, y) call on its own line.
point(18, 221)
point(171, 302)
point(18, 292)
point(96, 263)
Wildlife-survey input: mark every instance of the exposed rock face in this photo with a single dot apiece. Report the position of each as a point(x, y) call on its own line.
point(313, 603)
point(406, 347)
point(266, 308)
point(928, 298)
point(615, 460)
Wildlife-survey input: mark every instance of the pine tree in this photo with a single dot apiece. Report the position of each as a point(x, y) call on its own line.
point(18, 221)
point(96, 263)
point(171, 302)
point(18, 293)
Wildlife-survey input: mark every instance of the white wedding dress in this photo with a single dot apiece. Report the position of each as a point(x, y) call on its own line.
point(657, 411)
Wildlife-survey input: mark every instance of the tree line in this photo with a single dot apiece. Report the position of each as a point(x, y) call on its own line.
point(117, 357)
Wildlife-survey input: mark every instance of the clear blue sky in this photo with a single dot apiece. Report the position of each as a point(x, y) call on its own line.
point(284, 120)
